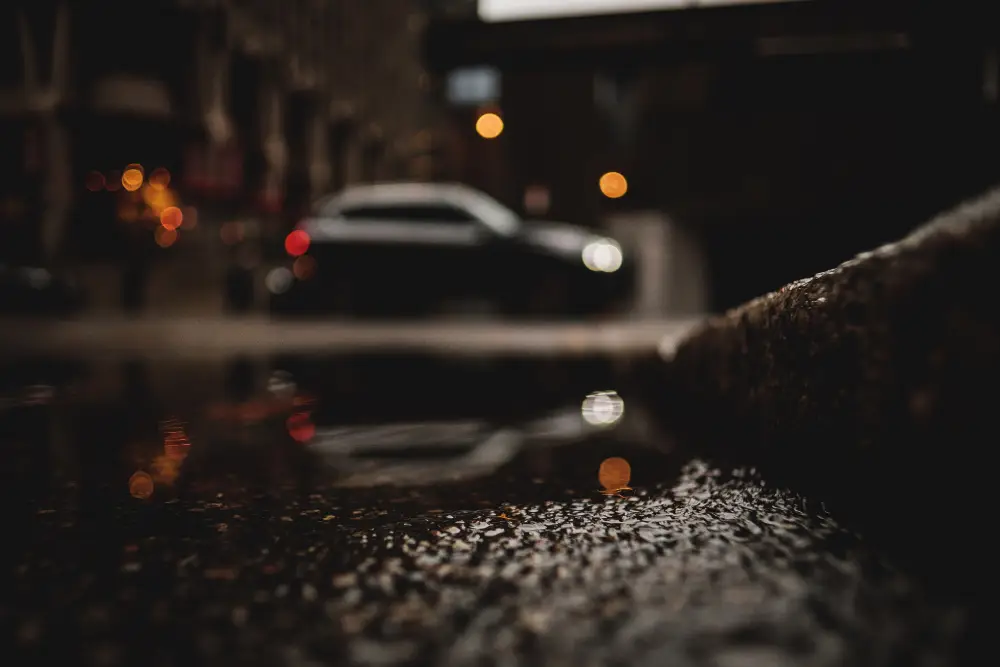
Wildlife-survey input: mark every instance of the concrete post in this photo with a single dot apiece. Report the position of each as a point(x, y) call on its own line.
point(670, 272)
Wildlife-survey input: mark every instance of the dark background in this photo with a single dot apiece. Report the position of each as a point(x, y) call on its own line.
point(787, 136)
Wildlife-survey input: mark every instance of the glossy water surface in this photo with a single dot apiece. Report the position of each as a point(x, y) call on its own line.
point(395, 510)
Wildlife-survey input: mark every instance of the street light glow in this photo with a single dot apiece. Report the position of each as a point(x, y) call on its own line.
point(489, 126)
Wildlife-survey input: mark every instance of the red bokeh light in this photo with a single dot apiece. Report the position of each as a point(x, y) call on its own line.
point(300, 427)
point(297, 243)
point(171, 217)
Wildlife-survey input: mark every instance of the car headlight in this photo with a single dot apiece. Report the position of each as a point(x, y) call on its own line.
point(603, 256)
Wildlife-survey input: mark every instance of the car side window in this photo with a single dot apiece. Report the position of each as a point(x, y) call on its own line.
point(427, 213)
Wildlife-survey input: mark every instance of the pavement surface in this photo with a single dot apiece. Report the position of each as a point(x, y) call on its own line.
point(299, 528)
point(208, 338)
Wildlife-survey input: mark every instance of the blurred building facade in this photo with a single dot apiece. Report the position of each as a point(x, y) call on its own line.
point(785, 136)
point(251, 108)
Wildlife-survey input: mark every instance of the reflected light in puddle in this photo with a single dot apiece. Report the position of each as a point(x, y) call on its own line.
point(300, 427)
point(614, 475)
point(167, 466)
point(140, 485)
point(604, 408)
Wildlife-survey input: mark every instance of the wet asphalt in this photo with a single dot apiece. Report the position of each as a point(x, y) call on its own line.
point(413, 510)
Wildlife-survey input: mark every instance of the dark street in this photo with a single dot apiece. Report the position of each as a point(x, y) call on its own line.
point(398, 510)
point(499, 333)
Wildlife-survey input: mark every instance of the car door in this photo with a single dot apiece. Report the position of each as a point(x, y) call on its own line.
point(406, 254)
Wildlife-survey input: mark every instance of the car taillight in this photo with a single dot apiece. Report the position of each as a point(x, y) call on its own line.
point(297, 243)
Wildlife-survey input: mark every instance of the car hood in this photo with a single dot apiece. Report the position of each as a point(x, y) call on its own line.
point(558, 237)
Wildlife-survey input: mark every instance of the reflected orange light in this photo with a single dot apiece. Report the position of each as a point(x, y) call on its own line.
point(304, 267)
point(159, 179)
point(489, 125)
point(297, 243)
point(614, 474)
point(300, 427)
point(140, 485)
point(132, 179)
point(231, 233)
point(95, 181)
point(613, 185)
point(165, 237)
point(171, 218)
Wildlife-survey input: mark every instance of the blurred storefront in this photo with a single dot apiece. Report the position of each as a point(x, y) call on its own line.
point(245, 112)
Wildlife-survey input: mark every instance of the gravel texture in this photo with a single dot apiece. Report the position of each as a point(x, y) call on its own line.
point(707, 569)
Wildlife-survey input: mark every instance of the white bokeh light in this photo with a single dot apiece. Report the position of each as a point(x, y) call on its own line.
point(603, 408)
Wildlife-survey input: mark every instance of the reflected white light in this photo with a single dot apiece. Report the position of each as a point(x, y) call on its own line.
point(279, 280)
point(282, 384)
point(604, 256)
point(603, 408)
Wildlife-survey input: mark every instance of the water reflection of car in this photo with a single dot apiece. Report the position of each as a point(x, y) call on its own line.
point(418, 247)
point(430, 452)
point(33, 290)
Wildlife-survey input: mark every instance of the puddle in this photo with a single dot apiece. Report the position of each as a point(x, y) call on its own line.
point(401, 509)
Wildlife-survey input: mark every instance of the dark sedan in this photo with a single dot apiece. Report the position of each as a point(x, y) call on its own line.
point(417, 248)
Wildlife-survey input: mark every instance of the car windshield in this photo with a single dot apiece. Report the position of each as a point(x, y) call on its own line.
point(498, 216)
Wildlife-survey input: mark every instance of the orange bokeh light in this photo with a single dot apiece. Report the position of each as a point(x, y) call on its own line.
point(297, 243)
point(132, 179)
point(614, 474)
point(613, 185)
point(165, 237)
point(489, 125)
point(171, 218)
point(140, 485)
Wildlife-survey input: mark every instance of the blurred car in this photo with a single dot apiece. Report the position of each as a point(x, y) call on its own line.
point(33, 290)
point(419, 248)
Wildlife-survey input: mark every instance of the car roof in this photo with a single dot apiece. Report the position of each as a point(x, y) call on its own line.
point(396, 192)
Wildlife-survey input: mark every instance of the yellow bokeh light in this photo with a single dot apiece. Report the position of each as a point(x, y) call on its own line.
point(489, 126)
point(613, 185)
point(131, 179)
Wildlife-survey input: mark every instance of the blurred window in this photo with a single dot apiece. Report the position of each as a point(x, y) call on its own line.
point(435, 213)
